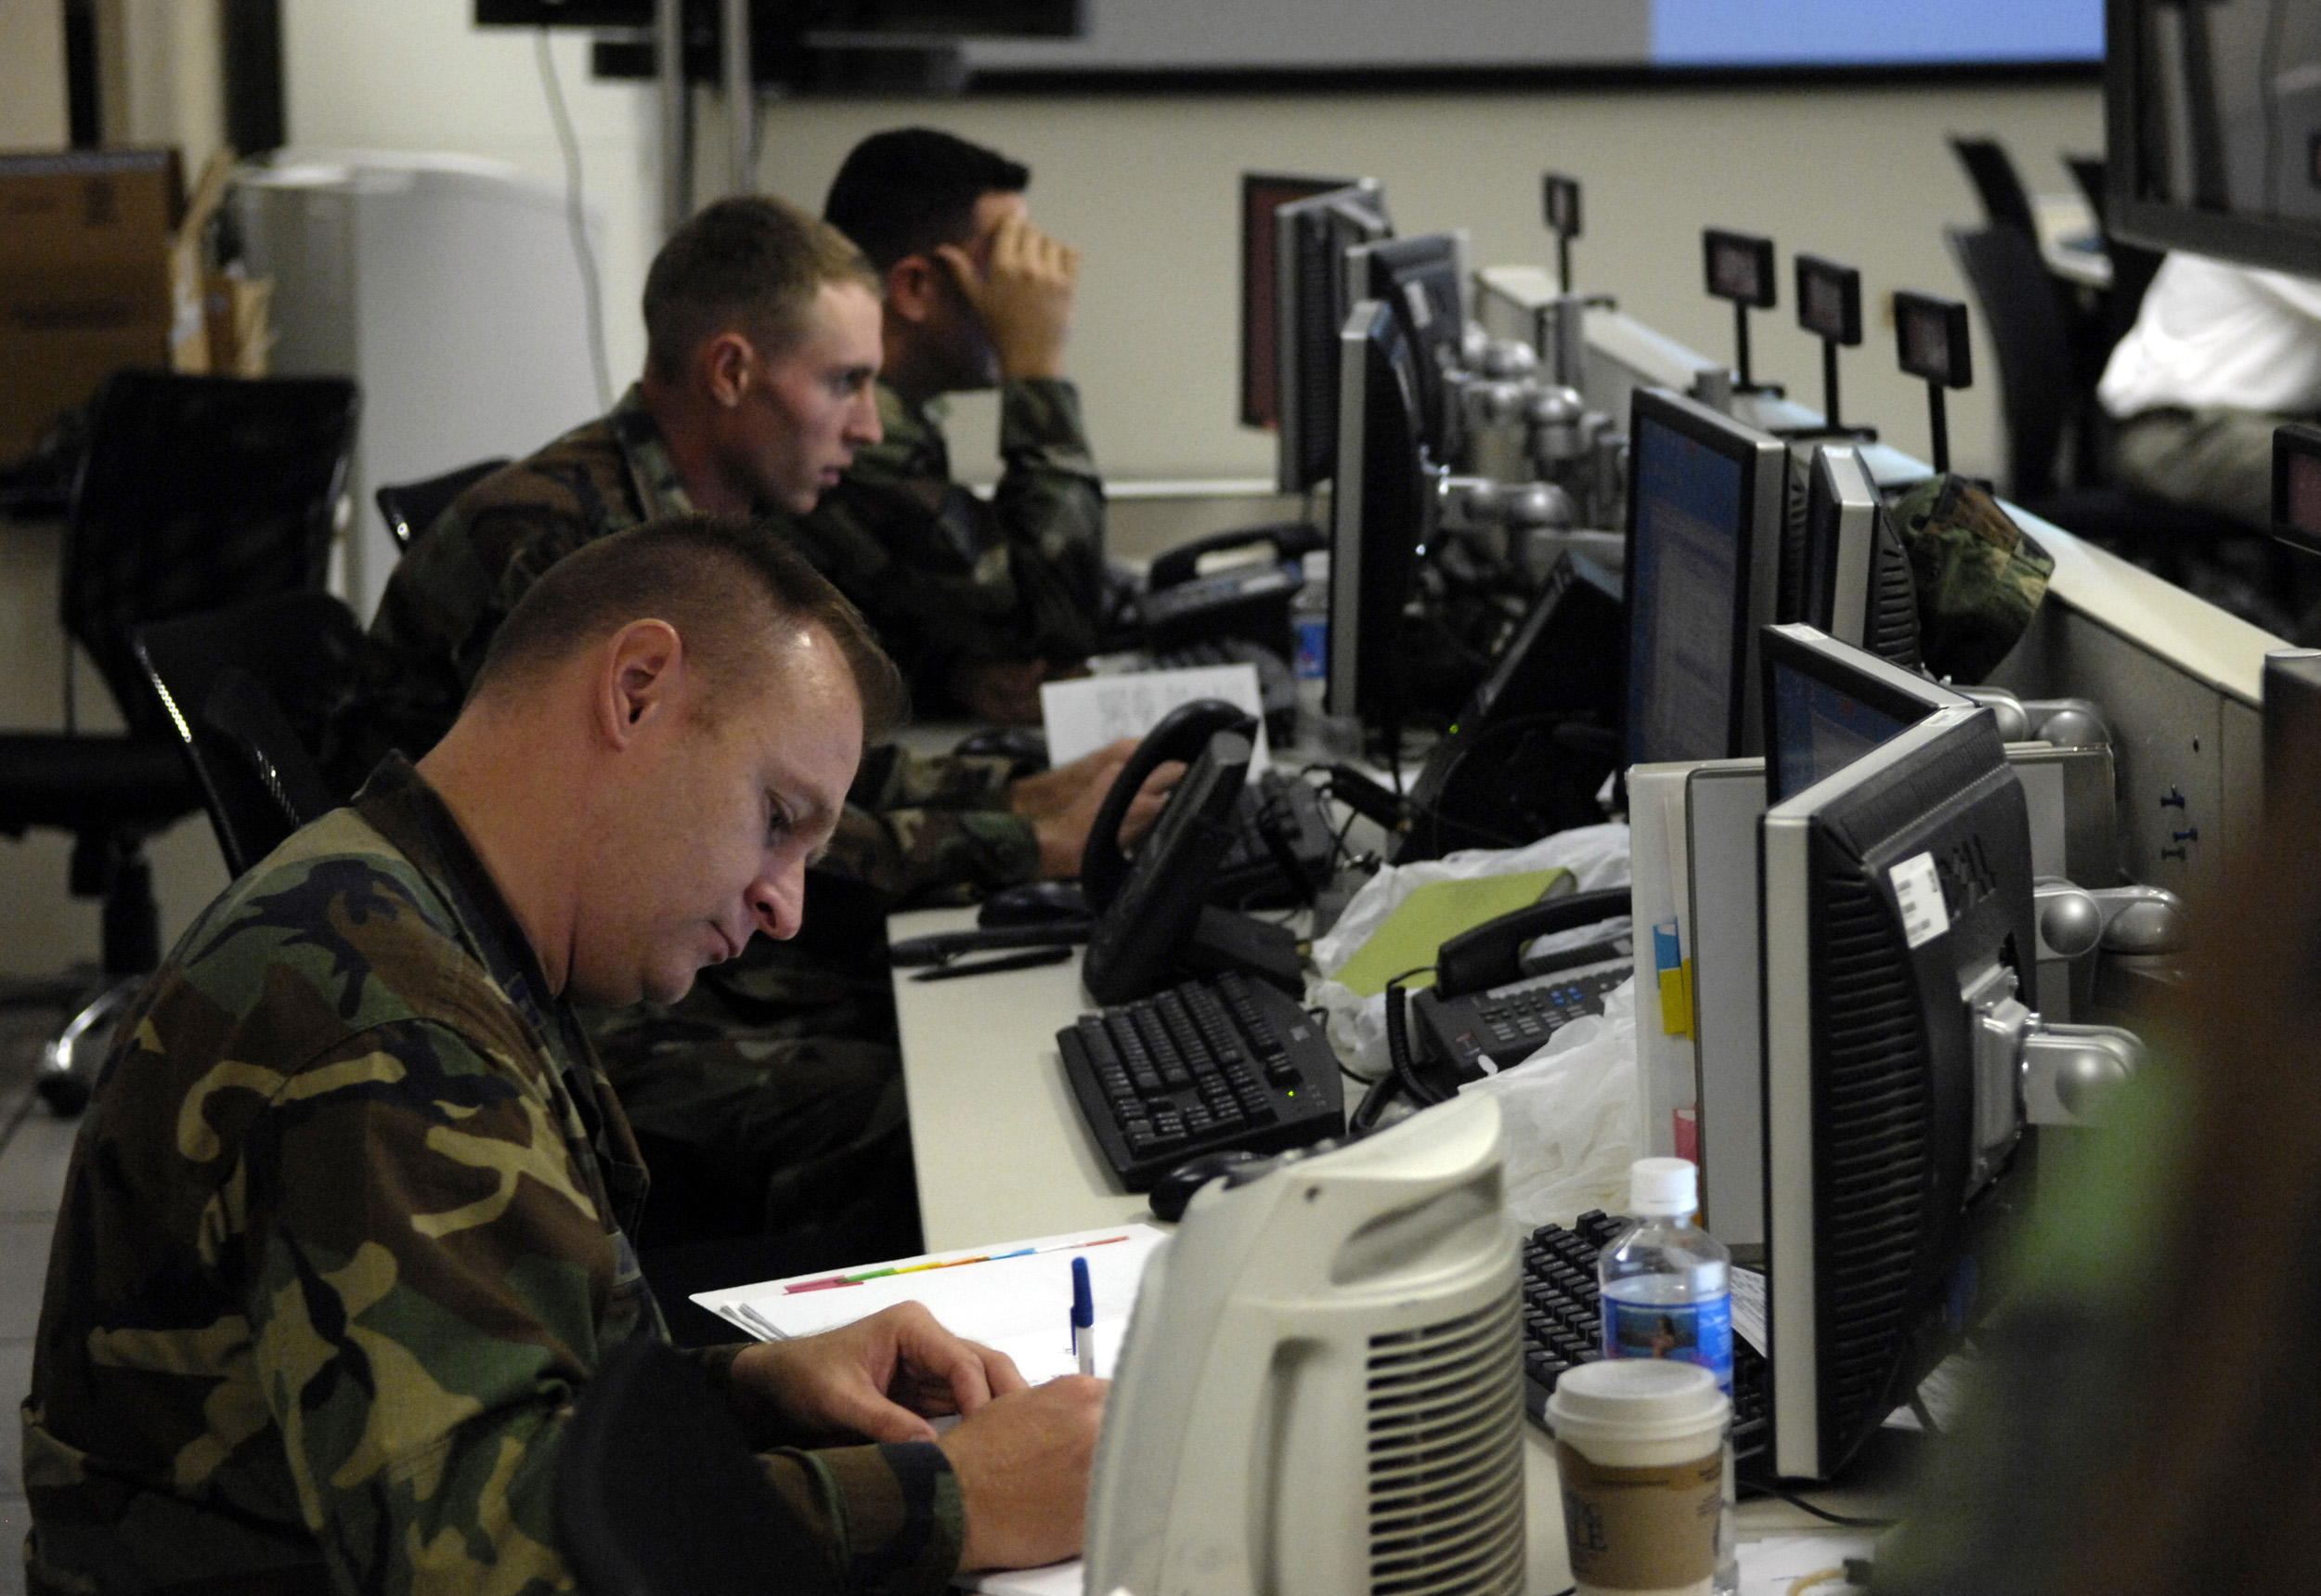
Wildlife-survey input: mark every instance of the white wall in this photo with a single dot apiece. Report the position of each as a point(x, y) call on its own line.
point(32, 75)
point(416, 74)
point(1149, 187)
point(162, 77)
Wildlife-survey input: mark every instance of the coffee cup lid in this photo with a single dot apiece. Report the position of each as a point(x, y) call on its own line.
point(1637, 1398)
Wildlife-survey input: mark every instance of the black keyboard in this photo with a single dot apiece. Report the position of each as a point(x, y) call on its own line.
point(1250, 876)
point(1563, 1327)
point(1508, 1023)
point(1210, 1066)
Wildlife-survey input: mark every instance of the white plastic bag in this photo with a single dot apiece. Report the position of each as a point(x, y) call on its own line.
point(1596, 855)
point(1571, 1117)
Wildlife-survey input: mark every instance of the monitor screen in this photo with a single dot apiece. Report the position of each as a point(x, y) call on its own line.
point(1828, 703)
point(1688, 508)
point(1262, 193)
point(1382, 507)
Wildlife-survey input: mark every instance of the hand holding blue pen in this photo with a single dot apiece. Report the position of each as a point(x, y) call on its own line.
point(1084, 1317)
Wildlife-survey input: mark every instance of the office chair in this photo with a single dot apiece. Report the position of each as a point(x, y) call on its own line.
point(657, 1494)
point(409, 508)
point(1991, 170)
point(2224, 563)
point(2132, 266)
point(248, 690)
point(196, 492)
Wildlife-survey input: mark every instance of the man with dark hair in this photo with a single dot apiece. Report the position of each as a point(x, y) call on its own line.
point(345, 1234)
point(979, 603)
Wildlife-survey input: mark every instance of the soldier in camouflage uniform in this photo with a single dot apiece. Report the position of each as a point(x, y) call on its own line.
point(977, 602)
point(346, 1230)
point(769, 1100)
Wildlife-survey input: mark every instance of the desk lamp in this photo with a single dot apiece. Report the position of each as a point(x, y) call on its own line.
point(1930, 340)
point(1740, 268)
point(1829, 306)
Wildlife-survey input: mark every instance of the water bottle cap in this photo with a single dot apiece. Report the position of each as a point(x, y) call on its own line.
point(1659, 1187)
point(1314, 566)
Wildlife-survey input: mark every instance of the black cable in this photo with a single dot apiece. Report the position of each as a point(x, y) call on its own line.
point(1406, 1067)
point(1380, 1093)
point(1844, 1521)
point(576, 218)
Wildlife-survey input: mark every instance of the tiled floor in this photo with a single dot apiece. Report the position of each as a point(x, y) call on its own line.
point(34, 1148)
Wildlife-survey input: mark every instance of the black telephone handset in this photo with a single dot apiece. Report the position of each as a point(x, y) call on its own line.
point(1290, 540)
point(1180, 735)
point(1486, 1010)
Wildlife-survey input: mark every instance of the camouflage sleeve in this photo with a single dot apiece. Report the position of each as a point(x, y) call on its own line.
point(1050, 503)
point(923, 858)
point(893, 777)
point(428, 1287)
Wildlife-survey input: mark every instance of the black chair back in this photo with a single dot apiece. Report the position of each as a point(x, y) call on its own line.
point(198, 492)
point(2005, 203)
point(246, 689)
point(2019, 310)
point(657, 1492)
point(409, 508)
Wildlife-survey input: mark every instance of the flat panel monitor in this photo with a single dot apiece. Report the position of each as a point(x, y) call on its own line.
point(1704, 505)
point(2212, 129)
point(1262, 193)
point(1311, 238)
point(1896, 898)
point(1383, 511)
point(904, 18)
point(1424, 280)
point(1828, 703)
point(2292, 726)
point(1854, 580)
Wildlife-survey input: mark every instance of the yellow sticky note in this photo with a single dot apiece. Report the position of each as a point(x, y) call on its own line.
point(1676, 1000)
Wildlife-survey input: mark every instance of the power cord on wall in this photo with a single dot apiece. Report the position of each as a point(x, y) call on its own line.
point(577, 217)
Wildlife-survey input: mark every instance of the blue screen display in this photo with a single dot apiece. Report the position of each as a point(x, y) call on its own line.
point(1684, 565)
point(1818, 730)
point(1852, 33)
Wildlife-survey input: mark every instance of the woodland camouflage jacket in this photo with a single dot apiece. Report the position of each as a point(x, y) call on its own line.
point(342, 1241)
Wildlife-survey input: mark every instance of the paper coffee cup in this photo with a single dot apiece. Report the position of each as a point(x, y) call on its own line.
point(1640, 1445)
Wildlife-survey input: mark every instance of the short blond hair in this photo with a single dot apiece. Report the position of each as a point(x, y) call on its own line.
point(751, 264)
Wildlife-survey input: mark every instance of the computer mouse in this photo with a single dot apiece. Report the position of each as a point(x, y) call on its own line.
point(1175, 1189)
point(1024, 748)
point(1034, 904)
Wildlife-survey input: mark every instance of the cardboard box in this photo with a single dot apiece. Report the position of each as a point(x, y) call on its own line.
point(84, 278)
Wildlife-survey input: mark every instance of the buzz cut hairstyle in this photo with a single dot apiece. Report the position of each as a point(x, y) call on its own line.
point(751, 264)
point(904, 192)
point(698, 573)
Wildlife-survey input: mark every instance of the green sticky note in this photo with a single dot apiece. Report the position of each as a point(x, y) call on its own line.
point(1434, 914)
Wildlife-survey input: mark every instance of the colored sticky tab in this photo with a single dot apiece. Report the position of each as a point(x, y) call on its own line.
point(1676, 980)
point(1676, 1000)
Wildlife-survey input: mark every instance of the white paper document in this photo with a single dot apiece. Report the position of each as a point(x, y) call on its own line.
point(1015, 1297)
point(1082, 715)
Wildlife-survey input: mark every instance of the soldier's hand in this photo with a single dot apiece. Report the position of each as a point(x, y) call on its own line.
point(1022, 1465)
point(1023, 297)
point(876, 1377)
point(1003, 690)
point(1062, 804)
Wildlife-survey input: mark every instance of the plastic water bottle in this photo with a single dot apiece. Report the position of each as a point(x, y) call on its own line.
point(1667, 1283)
point(1309, 614)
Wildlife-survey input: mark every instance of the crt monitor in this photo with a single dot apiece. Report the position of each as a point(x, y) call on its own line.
point(1311, 302)
point(1262, 193)
point(1422, 281)
point(1854, 580)
point(1704, 509)
point(1382, 516)
point(1898, 916)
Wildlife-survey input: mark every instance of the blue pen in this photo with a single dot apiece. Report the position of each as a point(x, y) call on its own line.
point(1084, 1317)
